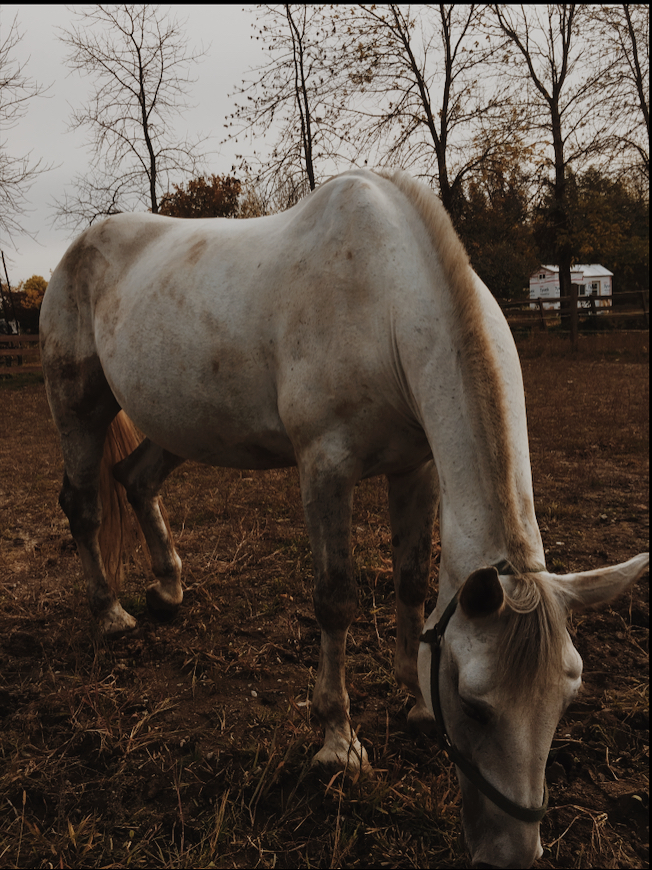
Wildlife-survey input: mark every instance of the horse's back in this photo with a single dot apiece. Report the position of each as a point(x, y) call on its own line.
point(235, 342)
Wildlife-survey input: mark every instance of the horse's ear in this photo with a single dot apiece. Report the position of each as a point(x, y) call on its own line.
point(482, 593)
point(590, 588)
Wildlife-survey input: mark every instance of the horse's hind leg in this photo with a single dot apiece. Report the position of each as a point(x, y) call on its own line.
point(142, 474)
point(327, 493)
point(81, 505)
point(413, 500)
point(83, 409)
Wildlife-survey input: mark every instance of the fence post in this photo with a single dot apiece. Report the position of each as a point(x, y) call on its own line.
point(574, 315)
point(645, 310)
point(15, 324)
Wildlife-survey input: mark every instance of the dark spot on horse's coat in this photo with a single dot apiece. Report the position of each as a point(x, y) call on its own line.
point(215, 366)
point(396, 540)
point(196, 251)
point(348, 408)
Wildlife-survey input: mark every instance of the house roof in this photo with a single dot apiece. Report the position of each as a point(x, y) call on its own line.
point(588, 270)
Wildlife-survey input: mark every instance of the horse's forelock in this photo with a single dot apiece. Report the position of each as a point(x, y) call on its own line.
point(531, 643)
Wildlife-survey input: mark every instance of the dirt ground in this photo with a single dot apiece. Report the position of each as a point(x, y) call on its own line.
point(188, 743)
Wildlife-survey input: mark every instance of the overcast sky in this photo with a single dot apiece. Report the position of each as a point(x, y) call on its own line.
point(225, 31)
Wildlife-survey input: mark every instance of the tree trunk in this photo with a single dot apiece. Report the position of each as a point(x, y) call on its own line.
point(568, 305)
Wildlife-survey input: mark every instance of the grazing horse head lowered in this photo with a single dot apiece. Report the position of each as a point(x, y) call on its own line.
point(498, 669)
point(350, 337)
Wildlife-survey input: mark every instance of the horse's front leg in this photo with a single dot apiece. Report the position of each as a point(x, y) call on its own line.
point(413, 500)
point(327, 493)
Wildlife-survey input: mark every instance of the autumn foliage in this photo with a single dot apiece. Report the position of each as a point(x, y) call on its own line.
point(24, 303)
point(32, 292)
point(202, 197)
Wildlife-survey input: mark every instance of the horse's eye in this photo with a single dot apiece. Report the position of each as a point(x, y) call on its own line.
point(478, 711)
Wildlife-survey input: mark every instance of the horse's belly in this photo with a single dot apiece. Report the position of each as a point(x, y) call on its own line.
point(204, 419)
point(208, 437)
point(265, 451)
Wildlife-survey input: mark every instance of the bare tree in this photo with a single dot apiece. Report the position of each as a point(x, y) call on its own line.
point(421, 91)
point(17, 173)
point(624, 31)
point(139, 61)
point(381, 84)
point(560, 86)
point(295, 93)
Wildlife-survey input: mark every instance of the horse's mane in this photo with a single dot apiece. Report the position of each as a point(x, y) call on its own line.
point(534, 618)
point(485, 380)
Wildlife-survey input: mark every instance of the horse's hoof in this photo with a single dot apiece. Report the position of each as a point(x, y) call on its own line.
point(160, 604)
point(352, 760)
point(115, 621)
point(420, 719)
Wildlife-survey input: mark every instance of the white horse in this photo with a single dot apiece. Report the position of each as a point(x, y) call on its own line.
point(348, 336)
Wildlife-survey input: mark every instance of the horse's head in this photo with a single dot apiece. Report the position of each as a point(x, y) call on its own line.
point(504, 671)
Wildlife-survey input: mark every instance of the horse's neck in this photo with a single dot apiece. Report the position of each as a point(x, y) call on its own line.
point(481, 450)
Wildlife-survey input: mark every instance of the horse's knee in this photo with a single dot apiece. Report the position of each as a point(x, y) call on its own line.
point(335, 600)
point(412, 585)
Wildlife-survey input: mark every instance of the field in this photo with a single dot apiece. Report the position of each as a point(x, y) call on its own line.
point(188, 744)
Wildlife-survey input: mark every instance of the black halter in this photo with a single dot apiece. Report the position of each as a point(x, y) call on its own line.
point(434, 637)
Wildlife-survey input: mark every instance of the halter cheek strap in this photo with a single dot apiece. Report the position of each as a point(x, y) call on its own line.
point(434, 637)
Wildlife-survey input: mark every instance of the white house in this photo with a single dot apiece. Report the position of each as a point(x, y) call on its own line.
point(591, 280)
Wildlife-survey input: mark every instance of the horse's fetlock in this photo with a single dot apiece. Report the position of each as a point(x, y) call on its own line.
point(168, 572)
point(101, 602)
point(421, 720)
point(164, 600)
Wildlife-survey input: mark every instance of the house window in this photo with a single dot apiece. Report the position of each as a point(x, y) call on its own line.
point(542, 276)
point(581, 289)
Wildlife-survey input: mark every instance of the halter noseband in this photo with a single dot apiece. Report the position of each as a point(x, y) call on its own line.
point(434, 637)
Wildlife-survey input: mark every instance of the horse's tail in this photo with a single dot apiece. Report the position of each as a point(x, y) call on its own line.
point(120, 533)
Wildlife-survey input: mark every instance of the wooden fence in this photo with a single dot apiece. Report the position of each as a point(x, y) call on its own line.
point(541, 313)
point(18, 354)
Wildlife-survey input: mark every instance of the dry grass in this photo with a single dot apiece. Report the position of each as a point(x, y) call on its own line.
point(189, 743)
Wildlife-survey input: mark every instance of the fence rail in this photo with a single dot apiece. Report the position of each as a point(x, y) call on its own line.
point(547, 312)
point(19, 353)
